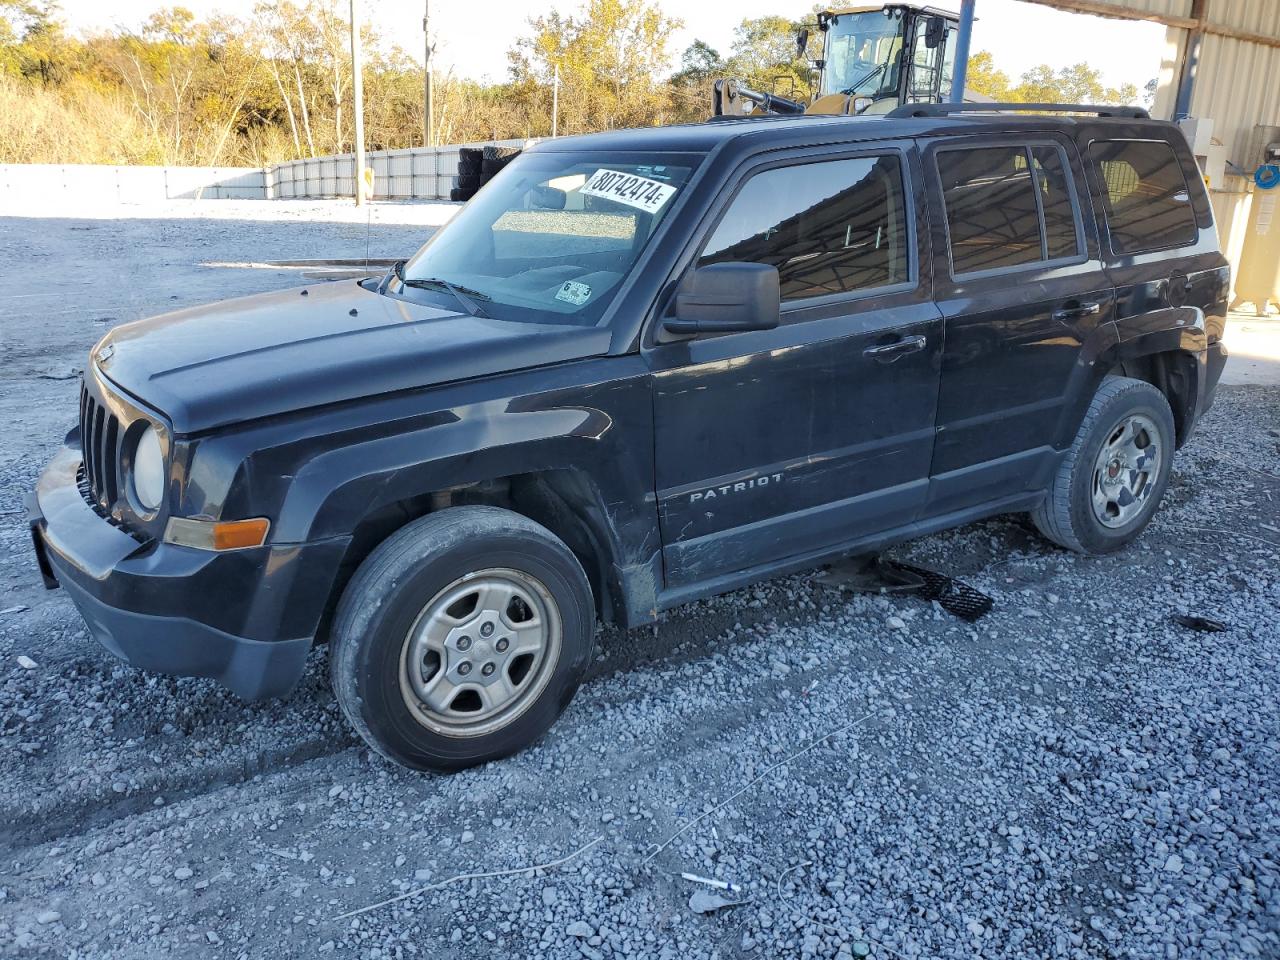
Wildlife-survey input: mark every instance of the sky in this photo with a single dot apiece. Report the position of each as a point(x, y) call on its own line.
point(473, 38)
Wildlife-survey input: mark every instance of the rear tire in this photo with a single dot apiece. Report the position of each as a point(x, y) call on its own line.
point(1109, 485)
point(461, 638)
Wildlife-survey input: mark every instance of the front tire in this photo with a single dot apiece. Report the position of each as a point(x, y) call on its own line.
point(1109, 485)
point(461, 638)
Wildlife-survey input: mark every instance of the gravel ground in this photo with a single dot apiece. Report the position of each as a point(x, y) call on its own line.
point(1072, 776)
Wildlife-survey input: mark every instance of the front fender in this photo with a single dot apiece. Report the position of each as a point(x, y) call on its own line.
point(592, 443)
point(335, 489)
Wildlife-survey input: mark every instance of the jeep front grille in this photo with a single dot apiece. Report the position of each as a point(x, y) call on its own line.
point(100, 436)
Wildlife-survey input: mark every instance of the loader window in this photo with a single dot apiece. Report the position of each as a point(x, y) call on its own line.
point(926, 65)
point(830, 228)
point(861, 51)
point(1148, 204)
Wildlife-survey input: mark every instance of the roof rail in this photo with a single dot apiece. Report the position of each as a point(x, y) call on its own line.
point(945, 109)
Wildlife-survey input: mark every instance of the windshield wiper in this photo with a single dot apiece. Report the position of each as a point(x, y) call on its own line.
point(848, 92)
point(464, 295)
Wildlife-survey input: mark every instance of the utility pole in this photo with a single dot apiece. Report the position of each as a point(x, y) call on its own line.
point(357, 87)
point(963, 37)
point(555, 100)
point(428, 113)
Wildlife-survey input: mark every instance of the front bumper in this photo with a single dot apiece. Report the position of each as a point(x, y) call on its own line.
point(246, 618)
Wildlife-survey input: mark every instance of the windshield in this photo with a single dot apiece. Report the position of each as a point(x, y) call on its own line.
point(862, 54)
point(551, 238)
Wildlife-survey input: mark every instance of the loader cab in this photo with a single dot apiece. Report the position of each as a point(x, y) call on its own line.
point(876, 58)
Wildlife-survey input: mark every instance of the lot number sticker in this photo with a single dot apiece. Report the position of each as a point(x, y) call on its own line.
point(571, 291)
point(639, 192)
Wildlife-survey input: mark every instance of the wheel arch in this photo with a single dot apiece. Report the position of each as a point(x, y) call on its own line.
point(565, 500)
point(1176, 374)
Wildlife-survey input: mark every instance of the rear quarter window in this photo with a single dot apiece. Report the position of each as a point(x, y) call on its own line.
point(1145, 195)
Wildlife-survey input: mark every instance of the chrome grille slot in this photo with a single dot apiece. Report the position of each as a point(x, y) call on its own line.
point(95, 458)
point(100, 448)
point(111, 460)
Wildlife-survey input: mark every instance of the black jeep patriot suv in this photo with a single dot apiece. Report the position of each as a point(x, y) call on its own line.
point(640, 367)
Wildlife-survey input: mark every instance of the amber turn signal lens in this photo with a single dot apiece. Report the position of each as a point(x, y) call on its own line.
point(239, 534)
point(213, 535)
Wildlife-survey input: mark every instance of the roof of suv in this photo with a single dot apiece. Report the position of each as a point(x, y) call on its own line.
point(785, 131)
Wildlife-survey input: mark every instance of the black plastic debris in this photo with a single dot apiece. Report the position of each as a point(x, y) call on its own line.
point(881, 575)
point(704, 902)
point(1203, 624)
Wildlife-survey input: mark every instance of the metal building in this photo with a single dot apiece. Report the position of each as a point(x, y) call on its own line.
point(1221, 69)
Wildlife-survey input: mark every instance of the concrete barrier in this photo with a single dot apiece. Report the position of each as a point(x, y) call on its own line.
point(22, 181)
point(416, 173)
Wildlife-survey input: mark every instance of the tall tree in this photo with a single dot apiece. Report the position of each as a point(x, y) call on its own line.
point(611, 59)
point(764, 55)
point(983, 77)
point(1078, 83)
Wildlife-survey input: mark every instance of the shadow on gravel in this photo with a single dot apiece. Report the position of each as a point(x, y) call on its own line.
point(86, 767)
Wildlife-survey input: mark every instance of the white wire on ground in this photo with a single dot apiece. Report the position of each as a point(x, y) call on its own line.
point(469, 876)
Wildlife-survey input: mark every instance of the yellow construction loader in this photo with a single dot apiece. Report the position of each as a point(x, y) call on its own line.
point(874, 57)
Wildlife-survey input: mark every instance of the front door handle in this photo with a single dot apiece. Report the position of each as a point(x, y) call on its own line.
point(1080, 310)
point(889, 352)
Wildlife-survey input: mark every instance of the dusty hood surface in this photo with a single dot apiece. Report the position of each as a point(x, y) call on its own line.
point(238, 360)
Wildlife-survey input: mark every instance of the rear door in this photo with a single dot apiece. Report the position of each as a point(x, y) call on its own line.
point(777, 444)
point(1025, 302)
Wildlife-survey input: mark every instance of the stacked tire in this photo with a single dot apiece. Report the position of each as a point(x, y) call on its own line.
point(493, 159)
point(470, 161)
point(477, 166)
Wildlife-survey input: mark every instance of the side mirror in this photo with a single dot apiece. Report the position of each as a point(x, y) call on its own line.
point(802, 42)
point(727, 297)
point(935, 33)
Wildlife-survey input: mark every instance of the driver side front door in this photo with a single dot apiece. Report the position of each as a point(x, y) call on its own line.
point(783, 444)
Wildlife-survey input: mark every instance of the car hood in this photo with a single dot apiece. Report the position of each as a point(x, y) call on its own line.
point(239, 360)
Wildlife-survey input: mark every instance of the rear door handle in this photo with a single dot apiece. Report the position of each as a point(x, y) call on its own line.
point(889, 352)
point(1076, 312)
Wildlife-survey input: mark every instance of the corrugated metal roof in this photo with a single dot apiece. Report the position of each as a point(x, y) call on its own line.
point(1164, 8)
point(1256, 16)
point(1238, 85)
point(1123, 9)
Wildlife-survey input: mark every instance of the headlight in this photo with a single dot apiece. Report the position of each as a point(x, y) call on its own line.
point(147, 475)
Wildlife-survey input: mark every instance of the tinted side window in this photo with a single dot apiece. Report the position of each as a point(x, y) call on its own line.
point(1147, 203)
point(1061, 239)
point(834, 227)
point(990, 199)
point(1008, 206)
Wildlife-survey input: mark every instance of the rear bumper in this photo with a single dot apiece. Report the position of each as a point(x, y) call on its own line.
point(245, 618)
point(1215, 361)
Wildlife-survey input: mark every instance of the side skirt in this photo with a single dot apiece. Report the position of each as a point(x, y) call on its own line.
point(670, 598)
